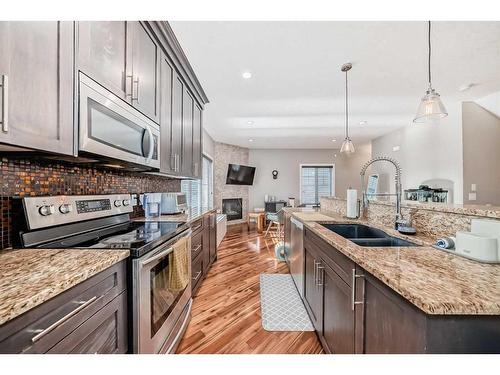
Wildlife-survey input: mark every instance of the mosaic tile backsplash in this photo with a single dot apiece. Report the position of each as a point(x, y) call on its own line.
point(38, 177)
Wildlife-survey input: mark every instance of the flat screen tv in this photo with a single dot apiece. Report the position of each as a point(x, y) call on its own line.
point(240, 175)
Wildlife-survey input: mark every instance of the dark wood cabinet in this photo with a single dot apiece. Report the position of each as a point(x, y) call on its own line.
point(203, 245)
point(36, 85)
point(213, 237)
point(353, 312)
point(313, 298)
point(177, 123)
point(338, 313)
point(166, 141)
point(87, 318)
point(104, 54)
point(197, 141)
point(187, 134)
point(124, 57)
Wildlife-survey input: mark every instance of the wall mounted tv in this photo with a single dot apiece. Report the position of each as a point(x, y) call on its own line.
point(240, 175)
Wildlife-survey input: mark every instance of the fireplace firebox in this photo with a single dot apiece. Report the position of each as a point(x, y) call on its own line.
point(233, 208)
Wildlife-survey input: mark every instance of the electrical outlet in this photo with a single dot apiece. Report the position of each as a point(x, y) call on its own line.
point(472, 196)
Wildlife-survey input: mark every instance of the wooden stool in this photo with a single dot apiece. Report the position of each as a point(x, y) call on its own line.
point(258, 218)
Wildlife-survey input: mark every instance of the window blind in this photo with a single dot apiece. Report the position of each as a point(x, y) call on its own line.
point(315, 182)
point(199, 193)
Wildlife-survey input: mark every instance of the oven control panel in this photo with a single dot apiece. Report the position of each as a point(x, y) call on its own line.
point(42, 212)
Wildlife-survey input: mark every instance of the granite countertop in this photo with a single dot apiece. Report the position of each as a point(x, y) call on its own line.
point(188, 217)
point(29, 277)
point(434, 281)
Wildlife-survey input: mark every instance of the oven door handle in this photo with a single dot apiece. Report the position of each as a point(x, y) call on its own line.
point(164, 252)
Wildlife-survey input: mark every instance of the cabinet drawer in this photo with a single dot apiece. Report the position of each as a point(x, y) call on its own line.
point(39, 329)
point(104, 333)
point(197, 272)
point(197, 225)
point(341, 264)
point(196, 245)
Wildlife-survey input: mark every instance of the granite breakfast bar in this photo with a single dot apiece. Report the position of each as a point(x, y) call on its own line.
point(421, 300)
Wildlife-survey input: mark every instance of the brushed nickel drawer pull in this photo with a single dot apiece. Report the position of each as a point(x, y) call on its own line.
point(4, 83)
point(198, 274)
point(195, 250)
point(353, 291)
point(321, 275)
point(62, 320)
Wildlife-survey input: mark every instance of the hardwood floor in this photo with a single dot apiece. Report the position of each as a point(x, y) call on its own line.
point(226, 315)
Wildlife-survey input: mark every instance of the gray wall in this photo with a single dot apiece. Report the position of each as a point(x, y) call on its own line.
point(287, 163)
point(481, 149)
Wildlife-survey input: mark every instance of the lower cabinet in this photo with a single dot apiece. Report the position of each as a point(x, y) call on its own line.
point(353, 312)
point(203, 248)
point(90, 317)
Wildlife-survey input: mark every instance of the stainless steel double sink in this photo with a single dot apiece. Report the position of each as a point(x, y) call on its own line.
point(366, 236)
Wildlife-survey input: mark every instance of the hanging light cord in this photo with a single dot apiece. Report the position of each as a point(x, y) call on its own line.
point(346, 108)
point(429, 62)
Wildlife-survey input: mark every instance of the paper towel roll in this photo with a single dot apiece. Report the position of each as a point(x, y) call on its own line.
point(352, 203)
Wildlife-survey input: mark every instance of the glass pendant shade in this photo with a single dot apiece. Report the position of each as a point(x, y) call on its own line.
point(347, 146)
point(431, 107)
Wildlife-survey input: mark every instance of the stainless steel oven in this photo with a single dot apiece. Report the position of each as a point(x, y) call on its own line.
point(162, 296)
point(111, 128)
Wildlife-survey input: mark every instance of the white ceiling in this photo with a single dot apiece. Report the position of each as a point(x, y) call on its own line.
point(296, 95)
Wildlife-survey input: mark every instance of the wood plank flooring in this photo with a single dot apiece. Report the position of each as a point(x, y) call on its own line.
point(226, 315)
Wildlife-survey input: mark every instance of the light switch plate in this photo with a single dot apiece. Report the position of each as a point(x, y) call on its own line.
point(473, 187)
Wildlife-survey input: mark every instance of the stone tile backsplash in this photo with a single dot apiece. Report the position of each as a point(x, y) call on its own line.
point(37, 177)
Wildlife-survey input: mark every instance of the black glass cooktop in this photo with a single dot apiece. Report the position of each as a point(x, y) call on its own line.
point(138, 237)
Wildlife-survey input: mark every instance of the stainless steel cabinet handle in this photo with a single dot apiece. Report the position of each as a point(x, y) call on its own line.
point(198, 274)
point(321, 275)
point(136, 81)
point(172, 162)
point(195, 250)
point(62, 320)
point(4, 83)
point(353, 291)
point(315, 272)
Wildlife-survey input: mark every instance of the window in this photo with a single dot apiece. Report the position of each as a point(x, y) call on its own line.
point(315, 182)
point(199, 193)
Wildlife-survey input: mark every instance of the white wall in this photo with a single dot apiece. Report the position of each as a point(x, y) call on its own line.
point(287, 163)
point(427, 152)
point(208, 145)
point(481, 134)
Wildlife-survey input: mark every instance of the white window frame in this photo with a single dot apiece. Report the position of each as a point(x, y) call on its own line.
point(211, 177)
point(316, 165)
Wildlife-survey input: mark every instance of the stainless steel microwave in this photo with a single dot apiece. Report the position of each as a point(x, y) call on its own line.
point(111, 128)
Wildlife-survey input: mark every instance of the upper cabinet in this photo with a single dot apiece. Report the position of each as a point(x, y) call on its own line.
point(187, 134)
point(197, 140)
point(124, 58)
point(36, 85)
point(103, 54)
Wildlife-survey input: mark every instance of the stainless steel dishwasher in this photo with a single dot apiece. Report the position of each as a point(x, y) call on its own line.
point(295, 259)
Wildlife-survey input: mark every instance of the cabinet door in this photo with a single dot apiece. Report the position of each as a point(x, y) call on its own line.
point(391, 324)
point(206, 243)
point(105, 56)
point(36, 85)
point(213, 237)
point(187, 134)
point(176, 132)
point(338, 315)
point(197, 134)
point(166, 158)
point(312, 292)
point(145, 71)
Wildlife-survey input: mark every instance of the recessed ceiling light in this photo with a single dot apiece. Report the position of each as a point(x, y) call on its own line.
point(250, 122)
point(250, 140)
point(363, 122)
point(334, 140)
point(335, 155)
point(247, 75)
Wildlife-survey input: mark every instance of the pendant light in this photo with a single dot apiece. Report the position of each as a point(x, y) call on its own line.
point(347, 145)
point(431, 107)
